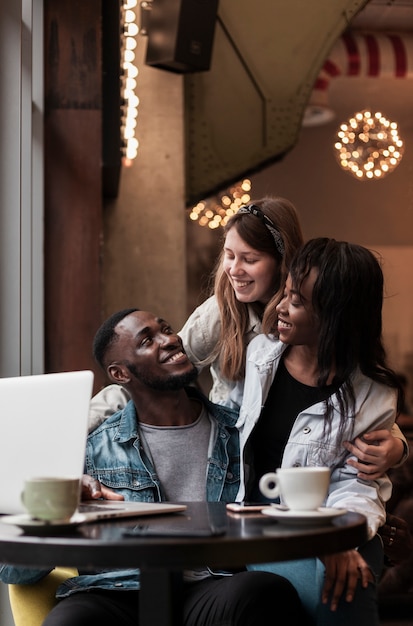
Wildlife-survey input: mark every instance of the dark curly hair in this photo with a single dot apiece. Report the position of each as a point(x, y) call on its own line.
point(106, 336)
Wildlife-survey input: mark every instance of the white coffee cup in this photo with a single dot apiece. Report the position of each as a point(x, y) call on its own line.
point(300, 488)
point(51, 499)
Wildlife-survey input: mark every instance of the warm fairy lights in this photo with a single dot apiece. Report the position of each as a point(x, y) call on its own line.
point(215, 212)
point(368, 146)
point(129, 73)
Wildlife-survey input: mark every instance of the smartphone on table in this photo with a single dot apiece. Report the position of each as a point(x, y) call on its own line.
point(246, 507)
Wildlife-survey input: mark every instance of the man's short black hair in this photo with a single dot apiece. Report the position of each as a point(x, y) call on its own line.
point(106, 335)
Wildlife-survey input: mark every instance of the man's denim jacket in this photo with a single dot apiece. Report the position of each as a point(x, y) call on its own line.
point(116, 449)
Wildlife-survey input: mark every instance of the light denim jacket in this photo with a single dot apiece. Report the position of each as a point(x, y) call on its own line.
point(375, 408)
point(109, 460)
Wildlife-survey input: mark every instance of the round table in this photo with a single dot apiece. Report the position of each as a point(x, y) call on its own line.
point(247, 538)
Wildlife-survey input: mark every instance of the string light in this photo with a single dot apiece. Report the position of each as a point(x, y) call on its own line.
point(129, 73)
point(368, 146)
point(215, 212)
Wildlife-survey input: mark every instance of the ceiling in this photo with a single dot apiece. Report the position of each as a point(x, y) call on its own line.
point(247, 111)
point(385, 15)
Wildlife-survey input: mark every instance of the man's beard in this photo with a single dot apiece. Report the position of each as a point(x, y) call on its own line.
point(169, 383)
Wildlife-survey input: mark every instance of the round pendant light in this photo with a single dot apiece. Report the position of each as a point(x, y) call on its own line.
point(368, 146)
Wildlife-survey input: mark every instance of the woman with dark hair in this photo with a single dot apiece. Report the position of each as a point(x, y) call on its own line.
point(318, 379)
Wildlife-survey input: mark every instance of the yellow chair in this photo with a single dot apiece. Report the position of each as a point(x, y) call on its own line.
point(31, 603)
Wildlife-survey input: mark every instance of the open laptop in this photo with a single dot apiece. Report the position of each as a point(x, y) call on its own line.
point(43, 422)
point(95, 510)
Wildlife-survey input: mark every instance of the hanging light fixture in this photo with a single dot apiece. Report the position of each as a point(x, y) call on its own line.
point(368, 146)
point(216, 211)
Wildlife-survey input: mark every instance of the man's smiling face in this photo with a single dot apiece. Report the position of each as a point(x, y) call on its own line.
point(152, 352)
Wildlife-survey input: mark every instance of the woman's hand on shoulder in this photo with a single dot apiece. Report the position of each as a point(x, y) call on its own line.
point(376, 452)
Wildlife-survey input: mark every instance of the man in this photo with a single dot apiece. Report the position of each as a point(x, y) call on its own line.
point(168, 443)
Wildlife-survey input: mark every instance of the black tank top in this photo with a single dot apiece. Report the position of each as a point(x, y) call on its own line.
point(286, 399)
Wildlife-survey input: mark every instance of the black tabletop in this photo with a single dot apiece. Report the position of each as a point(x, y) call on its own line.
point(247, 538)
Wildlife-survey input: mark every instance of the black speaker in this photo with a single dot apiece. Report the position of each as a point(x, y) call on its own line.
point(181, 35)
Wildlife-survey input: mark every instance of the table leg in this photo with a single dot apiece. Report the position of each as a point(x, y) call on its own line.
point(161, 596)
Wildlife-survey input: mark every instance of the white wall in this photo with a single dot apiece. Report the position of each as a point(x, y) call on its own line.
point(21, 197)
point(21, 187)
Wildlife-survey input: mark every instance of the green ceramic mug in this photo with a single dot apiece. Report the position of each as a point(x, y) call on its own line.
point(51, 499)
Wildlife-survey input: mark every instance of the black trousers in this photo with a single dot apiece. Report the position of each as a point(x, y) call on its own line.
point(244, 599)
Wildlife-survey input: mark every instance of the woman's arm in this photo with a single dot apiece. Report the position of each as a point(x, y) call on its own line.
point(105, 403)
point(201, 332)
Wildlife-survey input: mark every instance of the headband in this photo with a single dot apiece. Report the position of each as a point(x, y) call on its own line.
point(252, 209)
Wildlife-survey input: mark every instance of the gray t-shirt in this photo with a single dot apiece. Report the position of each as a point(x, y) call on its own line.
point(180, 455)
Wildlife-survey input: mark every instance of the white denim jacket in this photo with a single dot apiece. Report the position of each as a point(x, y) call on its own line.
point(375, 408)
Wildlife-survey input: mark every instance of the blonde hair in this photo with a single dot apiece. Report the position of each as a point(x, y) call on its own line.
point(232, 343)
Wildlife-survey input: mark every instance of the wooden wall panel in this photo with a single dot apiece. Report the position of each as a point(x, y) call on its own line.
point(73, 183)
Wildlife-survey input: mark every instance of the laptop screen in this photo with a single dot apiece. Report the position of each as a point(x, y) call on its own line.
point(43, 421)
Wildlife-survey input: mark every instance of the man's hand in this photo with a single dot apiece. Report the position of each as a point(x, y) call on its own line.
point(93, 490)
point(376, 452)
point(343, 570)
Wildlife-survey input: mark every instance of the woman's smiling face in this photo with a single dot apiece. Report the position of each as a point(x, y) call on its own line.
point(252, 274)
point(297, 324)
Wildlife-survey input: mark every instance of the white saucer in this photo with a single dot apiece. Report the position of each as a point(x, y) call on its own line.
point(323, 515)
point(38, 527)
